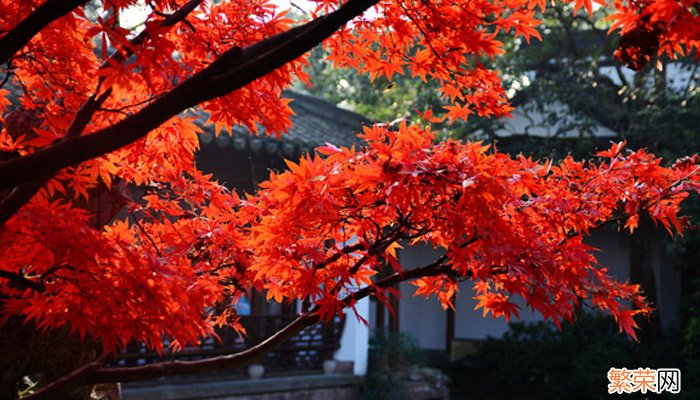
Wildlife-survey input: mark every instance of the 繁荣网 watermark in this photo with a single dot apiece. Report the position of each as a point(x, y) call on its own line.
point(623, 380)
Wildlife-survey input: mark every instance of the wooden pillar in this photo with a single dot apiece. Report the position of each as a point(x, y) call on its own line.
point(380, 315)
point(394, 317)
point(450, 327)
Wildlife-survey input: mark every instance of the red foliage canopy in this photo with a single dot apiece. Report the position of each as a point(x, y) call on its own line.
point(97, 123)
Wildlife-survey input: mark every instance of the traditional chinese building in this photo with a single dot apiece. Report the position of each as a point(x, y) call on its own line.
point(241, 161)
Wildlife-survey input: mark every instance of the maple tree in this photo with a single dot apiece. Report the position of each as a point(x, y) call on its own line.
point(111, 232)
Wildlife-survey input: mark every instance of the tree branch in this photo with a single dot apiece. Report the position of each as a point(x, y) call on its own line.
point(22, 194)
point(96, 373)
point(437, 267)
point(22, 281)
point(16, 199)
point(145, 233)
point(335, 257)
point(117, 57)
point(233, 70)
point(23, 32)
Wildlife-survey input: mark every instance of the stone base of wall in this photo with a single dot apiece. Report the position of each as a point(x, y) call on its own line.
point(302, 387)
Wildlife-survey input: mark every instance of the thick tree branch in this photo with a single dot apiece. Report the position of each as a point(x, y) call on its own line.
point(22, 194)
point(233, 70)
point(16, 199)
point(21, 34)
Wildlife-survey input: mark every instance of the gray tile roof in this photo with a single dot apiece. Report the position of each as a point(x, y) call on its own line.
point(316, 123)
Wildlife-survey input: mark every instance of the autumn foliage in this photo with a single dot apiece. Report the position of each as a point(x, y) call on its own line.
point(109, 228)
point(515, 227)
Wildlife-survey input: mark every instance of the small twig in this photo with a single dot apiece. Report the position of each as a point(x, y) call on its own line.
point(8, 74)
point(301, 10)
point(53, 270)
point(145, 233)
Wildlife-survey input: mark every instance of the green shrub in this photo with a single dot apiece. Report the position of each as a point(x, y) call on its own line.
point(391, 357)
point(537, 361)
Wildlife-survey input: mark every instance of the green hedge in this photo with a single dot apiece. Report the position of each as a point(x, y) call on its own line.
point(537, 361)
